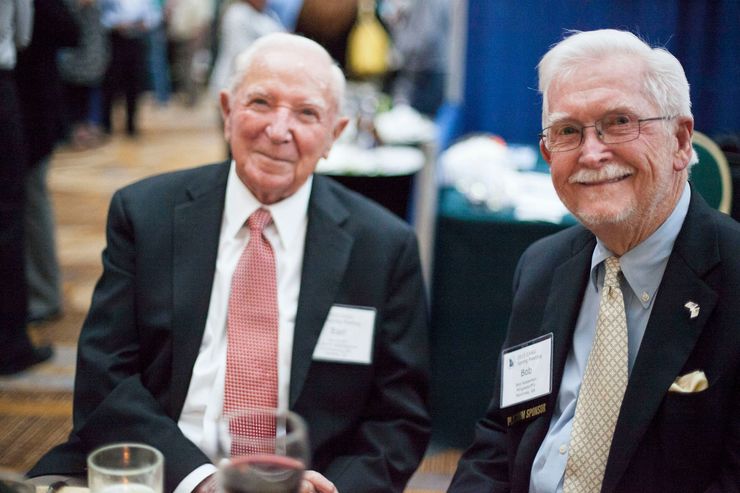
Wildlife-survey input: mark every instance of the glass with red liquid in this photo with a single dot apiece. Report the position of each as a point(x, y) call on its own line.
point(262, 450)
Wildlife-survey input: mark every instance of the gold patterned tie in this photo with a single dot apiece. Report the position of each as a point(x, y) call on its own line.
point(602, 390)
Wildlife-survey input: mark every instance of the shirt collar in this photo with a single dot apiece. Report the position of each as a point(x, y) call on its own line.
point(287, 215)
point(643, 266)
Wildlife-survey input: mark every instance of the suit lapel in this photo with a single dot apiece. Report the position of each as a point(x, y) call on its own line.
point(560, 316)
point(327, 251)
point(564, 304)
point(670, 335)
point(197, 224)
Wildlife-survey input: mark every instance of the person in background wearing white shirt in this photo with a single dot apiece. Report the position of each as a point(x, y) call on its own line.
point(242, 22)
point(188, 25)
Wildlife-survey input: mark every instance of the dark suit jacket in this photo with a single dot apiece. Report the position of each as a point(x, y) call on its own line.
point(368, 424)
point(663, 441)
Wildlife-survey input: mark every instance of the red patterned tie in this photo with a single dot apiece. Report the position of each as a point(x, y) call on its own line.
point(251, 356)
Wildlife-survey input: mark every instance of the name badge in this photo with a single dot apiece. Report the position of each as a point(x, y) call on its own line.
point(526, 371)
point(347, 335)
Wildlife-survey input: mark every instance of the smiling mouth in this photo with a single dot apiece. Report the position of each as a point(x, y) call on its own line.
point(607, 175)
point(275, 158)
point(603, 182)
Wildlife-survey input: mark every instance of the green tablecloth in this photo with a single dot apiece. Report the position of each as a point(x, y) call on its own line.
point(475, 255)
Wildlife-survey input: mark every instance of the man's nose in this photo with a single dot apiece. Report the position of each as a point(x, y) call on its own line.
point(593, 149)
point(279, 130)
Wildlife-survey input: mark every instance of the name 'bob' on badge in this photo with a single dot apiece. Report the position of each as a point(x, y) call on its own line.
point(526, 371)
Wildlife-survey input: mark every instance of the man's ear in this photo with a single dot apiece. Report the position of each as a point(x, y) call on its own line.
point(683, 135)
point(545, 153)
point(336, 132)
point(340, 126)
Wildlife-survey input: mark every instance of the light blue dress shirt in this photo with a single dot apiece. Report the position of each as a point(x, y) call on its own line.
point(642, 269)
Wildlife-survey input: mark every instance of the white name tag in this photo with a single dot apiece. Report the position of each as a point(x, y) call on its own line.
point(347, 336)
point(526, 371)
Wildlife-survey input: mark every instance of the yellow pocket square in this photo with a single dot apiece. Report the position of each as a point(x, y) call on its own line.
point(696, 381)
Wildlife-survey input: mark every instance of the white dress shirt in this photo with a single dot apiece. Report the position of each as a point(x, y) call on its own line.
point(287, 235)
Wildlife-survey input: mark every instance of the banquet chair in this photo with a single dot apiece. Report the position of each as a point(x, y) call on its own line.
point(711, 175)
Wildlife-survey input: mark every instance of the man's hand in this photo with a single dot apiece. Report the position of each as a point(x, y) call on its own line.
point(314, 482)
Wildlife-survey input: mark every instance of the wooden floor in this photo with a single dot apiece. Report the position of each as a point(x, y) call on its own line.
point(35, 407)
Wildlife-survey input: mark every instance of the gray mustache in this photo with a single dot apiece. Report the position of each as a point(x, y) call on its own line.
point(609, 171)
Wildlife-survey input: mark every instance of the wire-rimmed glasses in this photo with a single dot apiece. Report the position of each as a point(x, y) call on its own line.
point(613, 128)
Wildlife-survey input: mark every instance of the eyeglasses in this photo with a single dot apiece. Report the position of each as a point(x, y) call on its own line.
point(614, 128)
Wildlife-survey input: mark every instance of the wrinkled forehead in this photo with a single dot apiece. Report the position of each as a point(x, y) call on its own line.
point(613, 84)
point(302, 66)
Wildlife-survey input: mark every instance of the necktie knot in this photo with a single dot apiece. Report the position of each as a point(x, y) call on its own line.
point(611, 278)
point(258, 221)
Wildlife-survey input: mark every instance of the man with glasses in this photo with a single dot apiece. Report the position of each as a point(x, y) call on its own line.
point(620, 369)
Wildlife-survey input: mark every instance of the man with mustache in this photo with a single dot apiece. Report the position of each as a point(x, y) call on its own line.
point(620, 371)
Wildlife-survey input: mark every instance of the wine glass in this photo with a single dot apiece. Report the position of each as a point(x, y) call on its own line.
point(262, 450)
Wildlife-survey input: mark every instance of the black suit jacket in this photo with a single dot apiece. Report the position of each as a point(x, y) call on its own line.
point(663, 441)
point(368, 424)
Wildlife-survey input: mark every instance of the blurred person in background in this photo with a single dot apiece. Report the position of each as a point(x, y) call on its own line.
point(18, 352)
point(241, 23)
point(287, 11)
point(158, 59)
point(420, 31)
point(128, 22)
point(42, 107)
point(82, 69)
point(188, 26)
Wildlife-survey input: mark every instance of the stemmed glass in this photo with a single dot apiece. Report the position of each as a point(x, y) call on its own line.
point(271, 460)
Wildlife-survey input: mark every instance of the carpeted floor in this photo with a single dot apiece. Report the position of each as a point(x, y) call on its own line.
point(31, 422)
point(36, 406)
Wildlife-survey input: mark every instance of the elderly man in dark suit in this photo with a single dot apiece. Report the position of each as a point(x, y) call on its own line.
point(153, 350)
point(621, 367)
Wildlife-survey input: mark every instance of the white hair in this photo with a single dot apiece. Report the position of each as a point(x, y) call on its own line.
point(287, 41)
point(663, 78)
